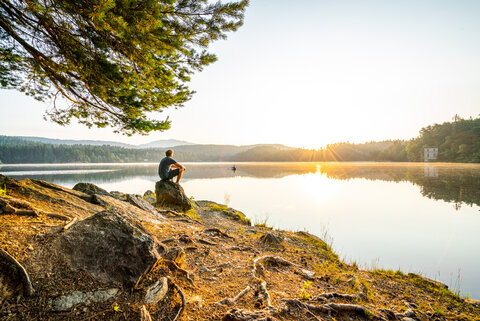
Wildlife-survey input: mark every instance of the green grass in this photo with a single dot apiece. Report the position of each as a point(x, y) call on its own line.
point(438, 311)
point(3, 191)
point(323, 249)
point(389, 273)
point(192, 213)
point(262, 223)
point(230, 212)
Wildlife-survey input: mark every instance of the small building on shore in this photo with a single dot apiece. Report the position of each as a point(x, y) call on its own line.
point(430, 153)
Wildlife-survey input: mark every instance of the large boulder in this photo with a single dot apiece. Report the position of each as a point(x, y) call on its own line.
point(90, 189)
point(112, 247)
point(140, 203)
point(171, 195)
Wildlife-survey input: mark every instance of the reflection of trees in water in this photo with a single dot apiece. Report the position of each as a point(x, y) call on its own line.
point(451, 183)
point(459, 184)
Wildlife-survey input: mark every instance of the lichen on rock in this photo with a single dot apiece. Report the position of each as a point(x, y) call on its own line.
point(112, 247)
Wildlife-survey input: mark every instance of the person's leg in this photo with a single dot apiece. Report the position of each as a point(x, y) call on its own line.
point(180, 174)
point(172, 173)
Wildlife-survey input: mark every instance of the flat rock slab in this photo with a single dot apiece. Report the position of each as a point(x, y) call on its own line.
point(65, 302)
point(50, 197)
point(140, 203)
point(172, 195)
point(112, 247)
point(157, 291)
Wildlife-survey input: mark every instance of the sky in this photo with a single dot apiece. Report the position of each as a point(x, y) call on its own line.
point(306, 73)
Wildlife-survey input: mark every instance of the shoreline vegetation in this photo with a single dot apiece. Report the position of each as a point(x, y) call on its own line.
point(458, 142)
point(205, 263)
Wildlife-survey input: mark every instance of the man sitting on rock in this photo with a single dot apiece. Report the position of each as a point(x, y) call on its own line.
point(169, 168)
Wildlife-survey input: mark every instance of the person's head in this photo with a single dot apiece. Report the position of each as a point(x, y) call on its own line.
point(169, 153)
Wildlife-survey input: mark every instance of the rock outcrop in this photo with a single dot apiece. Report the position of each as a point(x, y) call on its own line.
point(140, 203)
point(216, 266)
point(90, 189)
point(119, 195)
point(113, 248)
point(65, 302)
point(172, 195)
point(150, 197)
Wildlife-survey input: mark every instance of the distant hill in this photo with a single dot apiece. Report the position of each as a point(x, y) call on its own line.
point(54, 141)
point(14, 150)
point(225, 153)
point(155, 144)
point(164, 143)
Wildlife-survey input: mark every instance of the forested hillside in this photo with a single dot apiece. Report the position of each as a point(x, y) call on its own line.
point(458, 141)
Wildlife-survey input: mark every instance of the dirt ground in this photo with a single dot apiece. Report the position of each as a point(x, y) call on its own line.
point(218, 267)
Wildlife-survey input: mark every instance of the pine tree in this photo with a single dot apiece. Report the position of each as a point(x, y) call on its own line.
point(113, 61)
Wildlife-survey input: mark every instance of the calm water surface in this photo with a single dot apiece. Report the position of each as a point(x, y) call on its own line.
point(414, 217)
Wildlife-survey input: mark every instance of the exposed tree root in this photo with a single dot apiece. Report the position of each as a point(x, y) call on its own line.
point(242, 315)
point(216, 232)
point(171, 212)
point(258, 270)
point(187, 220)
point(407, 314)
point(14, 206)
point(206, 254)
point(388, 313)
point(262, 297)
point(206, 242)
point(169, 240)
point(182, 297)
point(142, 276)
point(270, 239)
point(330, 308)
point(243, 249)
point(334, 295)
point(16, 271)
point(69, 224)
point(273, 261)
point(184, 273)
point(57, 216)
point(184, 238)
point(313, 316)
point(144, 314)
point(30, 213)
point(233, 301)
point(222, 265)
point(177, 255)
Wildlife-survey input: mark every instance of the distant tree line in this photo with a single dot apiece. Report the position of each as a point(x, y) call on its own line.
point(457, 141)
point(23, 151)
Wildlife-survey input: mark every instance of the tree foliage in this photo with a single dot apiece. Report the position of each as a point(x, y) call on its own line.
point(114, 61)
point(457, 141)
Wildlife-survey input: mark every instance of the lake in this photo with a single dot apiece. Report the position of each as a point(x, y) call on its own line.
point(421, 218)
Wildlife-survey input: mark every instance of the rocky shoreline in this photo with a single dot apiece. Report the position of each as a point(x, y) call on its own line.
point(89, 254)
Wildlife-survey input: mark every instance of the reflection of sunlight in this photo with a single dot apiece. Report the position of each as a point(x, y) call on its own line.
point(314, 186)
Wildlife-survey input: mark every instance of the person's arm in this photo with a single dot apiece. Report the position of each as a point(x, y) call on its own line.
point(178, 165)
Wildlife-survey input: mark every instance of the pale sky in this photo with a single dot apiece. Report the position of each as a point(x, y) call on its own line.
point(308, 73)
